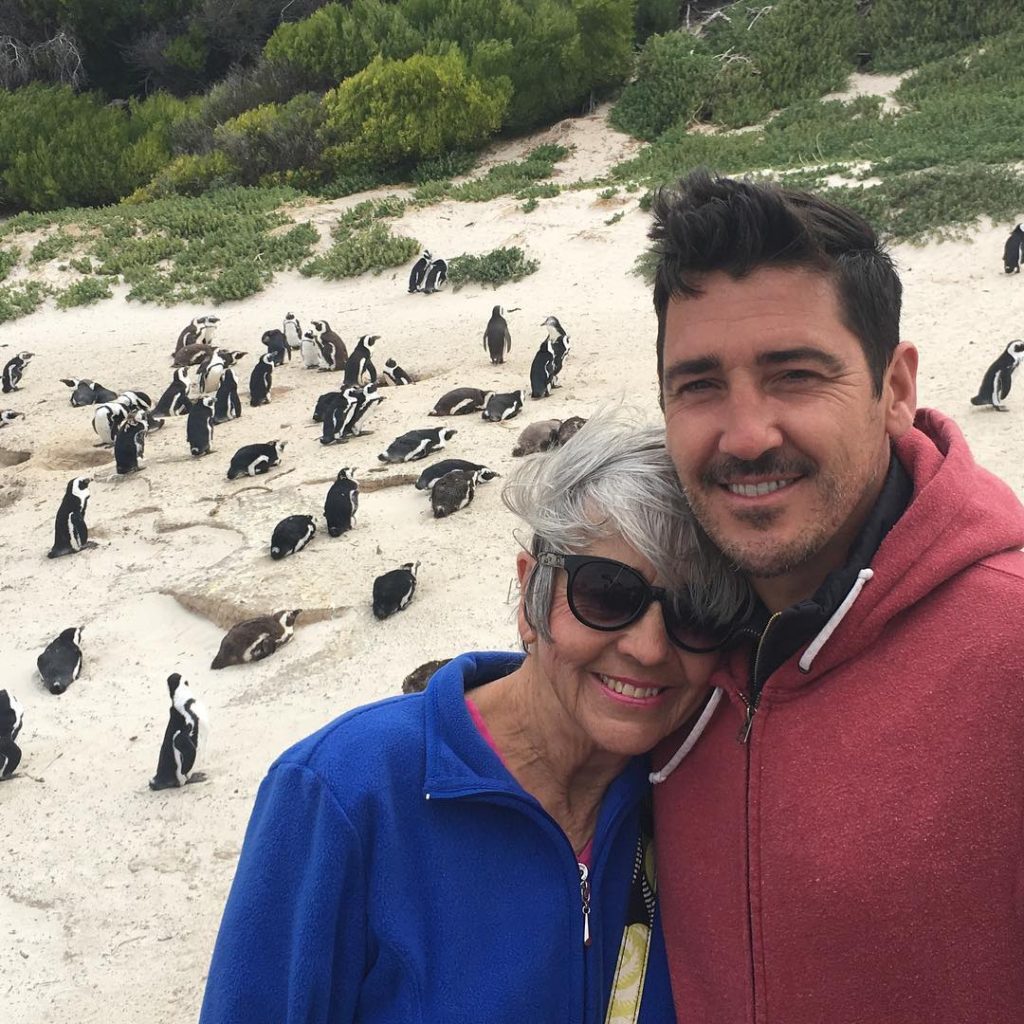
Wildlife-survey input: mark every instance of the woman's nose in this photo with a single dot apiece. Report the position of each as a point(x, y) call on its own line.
point(645, 640)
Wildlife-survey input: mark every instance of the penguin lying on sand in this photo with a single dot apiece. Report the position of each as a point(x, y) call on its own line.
point(460, 402)
point(291, 535)
point(13, 371)
point(394, 374)
point(184, 738)
point(433, 473)
point(70, 534)
point(256, 639)
point(393, 590)
point(87, 392)
point(60, 664)
point(995, 385)
point(9, 416)
point(503, 406)
point(192, 355)
point(255, 459)
point(11, 718)
point(1011, 251)
point(454, 491)
point(569, 429)
point(537, 437)
point(342, 503)
point(417, 444)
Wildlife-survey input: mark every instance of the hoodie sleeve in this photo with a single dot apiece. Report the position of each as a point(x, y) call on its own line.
point(291, 946)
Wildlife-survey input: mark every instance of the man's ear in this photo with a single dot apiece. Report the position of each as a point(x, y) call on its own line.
point(899, 390)
point(526, 565)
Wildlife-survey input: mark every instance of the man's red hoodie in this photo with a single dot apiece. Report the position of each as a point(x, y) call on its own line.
point(859, 859)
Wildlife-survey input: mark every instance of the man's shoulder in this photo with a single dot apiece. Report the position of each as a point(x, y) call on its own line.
point(1007, 568)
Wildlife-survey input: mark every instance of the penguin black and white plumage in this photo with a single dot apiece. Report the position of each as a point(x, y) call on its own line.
point(417, 444)
point(418, 273)
point(184, 738)
point(199, 331)
point(226, 403)
point(368, 397)
point(342, 503)
point(261, 380)
point(175, 401)
point(323, 401)
point(454, 491)
point(460, 402)
point(8, 416)
point(497, 339)
point(542, 370)
point(255, 459)
point(393, 590)
point(277, 346)
point(333, 354)
point(395, 374)
point(995, 385)
point(87, 392)
point(136, 399)
point(60, 664)
point(436, 277)
point(1012, 250)
point(70, 534)
point(151, 421)
point(336, 410)
point(130, 444)
point(292, 330)
point(360, 362)
point(210, 369)
point(192, 355)
point(503, 406)
point(107, 420)
point(433, 473)
point(256, 639)
point(11, 718)
point(537, 437)
point(291, 535)
point(13, 371)
point(199, 426)
point(310, 351)
point(559, 345)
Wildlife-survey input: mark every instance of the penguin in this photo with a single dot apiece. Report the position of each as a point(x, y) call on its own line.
point(9, 416)
point(497, 340)
point(367, 398)
point(151, 422)
point(537, 437)
point(454, 491)
point(60, 664)
point(255, 459)
point(107, 420)
point(323, 402)
point(417, 444)
point(261, 380)
point(1011, 251)
point(130, 444)
point(569, 428)
point(995, 385)
point(210, 369)
point(360, 363)
point(13, 371)
point(393, 590)
point(292, 330)
point(199, 426)
point(277, 346)
point(460, 401)
point(436, 278)
point(416, 681)
point(337, 409)
point(136, 399)
point(419, 272)
point(184, 738)
point(256, 639)
point(310, 351)
point(542, 370)
point(199, 330)
point(70, 534)
point(291, 535)
point(175, 401)
point(11, 718)
point(342, 503)
point(226, 403)
point(433, 473)
point(559, 345)
point(395, 374)
point(192, 355)
point(87, 392)
point(503, 406)
point(333, 353)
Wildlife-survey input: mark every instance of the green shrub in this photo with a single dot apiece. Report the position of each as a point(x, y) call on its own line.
point(363, 214)
point(448, 165)
point(20, 300)
point(356, 252)
point(516, 178)
point(8, 261)
point(188, 175)
point(83, 293)
point(499, 266)
point(654, 17)
point(530, 205)
point(83, 265)
point(50, 248)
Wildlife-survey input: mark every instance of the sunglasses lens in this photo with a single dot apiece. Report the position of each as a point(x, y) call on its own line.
point(689, 631)
point(607, 595)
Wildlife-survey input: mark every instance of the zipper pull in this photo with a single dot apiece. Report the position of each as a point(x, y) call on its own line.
point(585, 897)
point(744, 734)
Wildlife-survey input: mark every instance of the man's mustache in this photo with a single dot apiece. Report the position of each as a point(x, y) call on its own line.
point(728, 469)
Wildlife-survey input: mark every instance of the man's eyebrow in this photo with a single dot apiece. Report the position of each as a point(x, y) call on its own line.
point(802, 354)
point(693, 367)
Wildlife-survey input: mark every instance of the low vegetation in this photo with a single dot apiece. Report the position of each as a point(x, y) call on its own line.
point(499, 266)
point(358, 250)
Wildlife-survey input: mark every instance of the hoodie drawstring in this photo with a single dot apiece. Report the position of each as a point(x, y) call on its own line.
point(815, 646)
point(695, 733)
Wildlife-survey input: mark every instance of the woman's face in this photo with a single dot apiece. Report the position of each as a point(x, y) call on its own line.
point(587, 668)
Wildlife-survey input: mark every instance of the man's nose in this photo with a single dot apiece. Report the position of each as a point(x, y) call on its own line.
point(749, 425)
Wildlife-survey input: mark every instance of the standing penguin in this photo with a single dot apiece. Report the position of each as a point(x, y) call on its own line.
point(559, 345)
point(393, 590)
point(226, 403)
point(291, 535)
point(419, 272)
point(310, 351)
point(255, 459)
point(368, 397)
point(70, 534)
point(174, 401)
point(995, 385)
point(277, 346)
point(184, 738)
point(11, 717)
point(437, 276)
point(333, 353)
point(130, 444)
point(542, 370)
point(1011, 251)
point(199, 426)
point(395, 374)
point(256, 639)
point(454, 491)
point(199, 331)
point(60, 664)
point(13, 372)
point(261, 380)
point(341, 503)
point(211, 368)
point(497, 340)
point(292, 330)
point(360, 363)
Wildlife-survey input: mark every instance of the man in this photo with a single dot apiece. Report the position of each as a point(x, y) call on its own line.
point(844, 844)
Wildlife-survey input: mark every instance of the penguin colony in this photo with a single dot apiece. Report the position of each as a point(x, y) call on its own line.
point(203, 389)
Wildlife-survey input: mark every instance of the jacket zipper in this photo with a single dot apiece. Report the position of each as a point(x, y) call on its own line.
point(752, 702)
point(585, 899)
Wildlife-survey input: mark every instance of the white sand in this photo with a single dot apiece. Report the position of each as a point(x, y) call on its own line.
point(110, 895)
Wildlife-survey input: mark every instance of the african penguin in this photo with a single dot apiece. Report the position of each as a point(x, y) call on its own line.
point(211, 368)
point(13, 371)
point(569, 429)
point(417, 444)
point(107, 420)
point(87, 392)
point(559, 345)
point(454, 491)
point(542, 370)
point(433, 473)
point(292, 330)
point(175, 401)
point(333, 353)
point(256, 639)
point(61, 662)
point(130, 444)
point(393, 590)
point(537, 437)
point(419, 272)
point(11, 718)
point(226, 403)
point(367, 398)
point(503, 406)
point(255, 459)
point(336, 410)
point(310, 350)
point(460, 401)
point(261, 380)
point(360, 364)
point(995, 385)
point(199, 330)
point(436, 277)
point(291, 535)
point(277, 346)
point(192, 355)
point(395, 374)
point(1011, 251)
point(184, 738)
point(199, 425)
point(70, 534)
point(136, 399)
point(342, 503)
point(9, 416)
point(497, 340)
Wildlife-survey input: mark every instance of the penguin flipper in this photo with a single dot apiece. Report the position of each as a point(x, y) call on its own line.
point(184, 753)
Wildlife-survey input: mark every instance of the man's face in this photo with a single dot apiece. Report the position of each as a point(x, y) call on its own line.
point(776, 435)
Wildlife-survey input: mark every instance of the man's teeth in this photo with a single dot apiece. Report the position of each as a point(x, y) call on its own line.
point(627, 690)
point(757, 490)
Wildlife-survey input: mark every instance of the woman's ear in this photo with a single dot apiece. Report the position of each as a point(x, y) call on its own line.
point(526, 565)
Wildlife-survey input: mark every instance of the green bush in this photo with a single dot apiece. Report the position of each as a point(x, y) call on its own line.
point(499, 266)
point(654, 17)
point(356, 252)
point(57, 244)
point(188, 175)
point(516, 178)
point(8, 261)
point(83, 293)
point(20, 300)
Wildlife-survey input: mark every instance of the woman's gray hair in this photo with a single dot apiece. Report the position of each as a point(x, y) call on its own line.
point(616, 479)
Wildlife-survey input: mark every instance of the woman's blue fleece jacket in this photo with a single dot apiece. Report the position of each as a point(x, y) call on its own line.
point(394, 872)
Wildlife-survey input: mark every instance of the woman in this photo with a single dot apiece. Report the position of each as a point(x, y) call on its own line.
point(473, 853)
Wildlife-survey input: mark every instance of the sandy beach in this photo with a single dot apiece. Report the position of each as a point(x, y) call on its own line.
point(110, 895)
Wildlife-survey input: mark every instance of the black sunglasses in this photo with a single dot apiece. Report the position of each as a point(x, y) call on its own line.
point(608, 595)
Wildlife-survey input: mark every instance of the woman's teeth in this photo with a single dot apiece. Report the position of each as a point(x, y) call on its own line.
point(628, 690)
